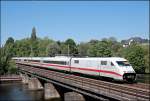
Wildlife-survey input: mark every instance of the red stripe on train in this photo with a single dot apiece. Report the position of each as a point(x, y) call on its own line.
point(95, 70)
point(86, 69)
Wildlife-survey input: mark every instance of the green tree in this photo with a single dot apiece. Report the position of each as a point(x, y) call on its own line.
point(5, 58)
point(42, 46)
point(10, 40)
point(112, 39)
point(93, 42)
point(9, 45)
point(83, 49)
point(33, 34)
point(72, 46)
point(135, 55)
point(100, 49)
point(53, 49)
point(92, 51)
point(22, 47)
point(7, 52)
point(34, 43)
point(145, 47)
point(64, 48)
point(103, 49)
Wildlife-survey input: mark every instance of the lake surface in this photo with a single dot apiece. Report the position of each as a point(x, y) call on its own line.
point(20, 92)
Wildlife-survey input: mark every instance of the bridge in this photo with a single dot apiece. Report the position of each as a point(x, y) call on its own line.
point(80, 85)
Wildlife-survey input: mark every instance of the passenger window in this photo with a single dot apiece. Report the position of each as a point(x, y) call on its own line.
point(103, 62)
point(76, 61)
point(112, 64)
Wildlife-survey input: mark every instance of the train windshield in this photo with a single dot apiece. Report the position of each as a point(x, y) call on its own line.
point(123, 63)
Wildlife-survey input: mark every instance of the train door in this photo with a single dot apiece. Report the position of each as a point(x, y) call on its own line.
point(103, 68)
point(112, 68)
point(106, 69)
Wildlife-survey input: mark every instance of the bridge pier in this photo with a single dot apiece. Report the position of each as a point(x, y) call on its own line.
point(50, 91)
point(25, 78)
point(34, 84)
point(73, 96)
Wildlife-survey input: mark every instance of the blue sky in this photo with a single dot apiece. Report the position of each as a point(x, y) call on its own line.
point(80, 20)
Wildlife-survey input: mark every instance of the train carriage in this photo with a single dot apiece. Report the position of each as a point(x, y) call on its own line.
point(112, 67)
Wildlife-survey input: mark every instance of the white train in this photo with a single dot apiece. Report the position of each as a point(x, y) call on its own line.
point(113, 67)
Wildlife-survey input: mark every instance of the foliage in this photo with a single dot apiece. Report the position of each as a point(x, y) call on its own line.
point(33, 34)
point(53, 49)
point(138, 55)
point(6, 53)
point(33, 43)
point(10, 41)
point(83, 49)
point(72, 46)
point(22, 48)
point(42, 46)
point(64, 48)
point(135, 55)
point(145, 47)
point(100, 49)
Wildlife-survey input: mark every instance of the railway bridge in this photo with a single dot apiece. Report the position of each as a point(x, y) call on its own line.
point(98, 89)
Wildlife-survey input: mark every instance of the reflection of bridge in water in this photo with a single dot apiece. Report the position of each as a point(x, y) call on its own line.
point(102, 90)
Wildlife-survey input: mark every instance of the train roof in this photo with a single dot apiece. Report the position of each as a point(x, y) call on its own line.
point(103, 58)
point(42, 58)
point(65, 58)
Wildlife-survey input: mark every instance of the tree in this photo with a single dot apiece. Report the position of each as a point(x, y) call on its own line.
point(103, 49)
point(33, 34)
point(5, 58)
point(100, 49)
point(83, 49)
point(72, 46)
point(53, 49)
point(6, 65)
point(10, 40)
point(64, 48)
point(9, 46)
point(92, 42)
point(135, 55)
point(92, 51)
point(145, 47)
point(34, 43)
point(42, 46)
point(23, 47)
point(112, 39)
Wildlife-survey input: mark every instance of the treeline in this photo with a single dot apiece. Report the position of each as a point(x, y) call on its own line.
point(137, 54)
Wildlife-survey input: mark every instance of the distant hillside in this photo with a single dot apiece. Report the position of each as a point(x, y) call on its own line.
point(135, 39)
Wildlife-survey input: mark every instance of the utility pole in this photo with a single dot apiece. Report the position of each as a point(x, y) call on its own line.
point(68, 50)
point(31, 54)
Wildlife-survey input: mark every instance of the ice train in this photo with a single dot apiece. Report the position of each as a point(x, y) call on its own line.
point(113, 67)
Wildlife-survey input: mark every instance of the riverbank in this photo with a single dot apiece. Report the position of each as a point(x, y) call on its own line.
point(10, 78)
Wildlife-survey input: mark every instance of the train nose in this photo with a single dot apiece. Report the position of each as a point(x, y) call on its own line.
point(129, 77)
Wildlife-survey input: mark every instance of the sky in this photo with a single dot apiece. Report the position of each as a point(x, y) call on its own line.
point(79, 20)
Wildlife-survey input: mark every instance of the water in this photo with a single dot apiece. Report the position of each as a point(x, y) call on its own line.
point(20, 92)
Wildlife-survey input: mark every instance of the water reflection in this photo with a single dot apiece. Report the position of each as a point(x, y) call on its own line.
point(19, 92)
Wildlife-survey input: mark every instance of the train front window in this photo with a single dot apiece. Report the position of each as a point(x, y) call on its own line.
point(123, 63)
